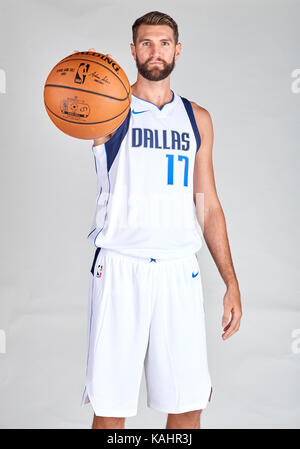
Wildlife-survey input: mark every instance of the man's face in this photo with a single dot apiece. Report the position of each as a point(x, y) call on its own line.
point(155, 51)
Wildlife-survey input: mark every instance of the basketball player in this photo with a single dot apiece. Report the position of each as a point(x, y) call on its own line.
point(146, 305)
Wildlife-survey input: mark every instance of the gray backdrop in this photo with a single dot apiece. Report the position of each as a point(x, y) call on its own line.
point(240, 61)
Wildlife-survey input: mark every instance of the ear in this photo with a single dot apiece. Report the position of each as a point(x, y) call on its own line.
point(133, 52)
point(177, 50)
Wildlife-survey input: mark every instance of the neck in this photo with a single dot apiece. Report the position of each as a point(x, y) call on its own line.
point(157, 92)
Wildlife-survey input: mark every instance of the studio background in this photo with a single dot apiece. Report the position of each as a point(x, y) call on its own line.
point(240, 61)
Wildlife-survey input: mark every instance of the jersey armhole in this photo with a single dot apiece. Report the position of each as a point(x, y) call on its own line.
point(113, 144)
point(190, 113)
point(117, 132)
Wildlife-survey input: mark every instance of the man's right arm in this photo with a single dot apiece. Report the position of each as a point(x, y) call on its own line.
point(101, 140)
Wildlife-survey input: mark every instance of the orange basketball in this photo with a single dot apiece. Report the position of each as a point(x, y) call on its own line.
point(87, 95)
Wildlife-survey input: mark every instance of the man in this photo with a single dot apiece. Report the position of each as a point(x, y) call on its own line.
point(146, 300)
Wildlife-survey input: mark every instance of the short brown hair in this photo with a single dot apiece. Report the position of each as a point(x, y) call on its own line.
point(155, 18)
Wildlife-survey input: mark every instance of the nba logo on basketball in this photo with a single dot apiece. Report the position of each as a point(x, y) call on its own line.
point(81, 73)
point(99, 271)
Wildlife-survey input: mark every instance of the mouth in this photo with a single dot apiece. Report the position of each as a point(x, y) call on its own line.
point(155, 62)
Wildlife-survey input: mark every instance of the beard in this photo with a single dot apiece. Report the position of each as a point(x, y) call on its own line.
point(155, 73)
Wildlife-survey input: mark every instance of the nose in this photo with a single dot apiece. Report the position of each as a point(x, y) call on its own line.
point(155, 53)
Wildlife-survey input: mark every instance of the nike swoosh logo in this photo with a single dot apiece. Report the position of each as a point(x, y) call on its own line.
point(194, 275)
point(138, 112)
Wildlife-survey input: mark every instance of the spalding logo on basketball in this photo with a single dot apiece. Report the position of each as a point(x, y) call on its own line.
point(87, 95)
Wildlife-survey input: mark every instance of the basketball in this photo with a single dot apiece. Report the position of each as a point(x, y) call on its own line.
point(87, 95)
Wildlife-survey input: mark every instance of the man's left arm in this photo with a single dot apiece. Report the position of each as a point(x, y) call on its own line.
point(212, 221)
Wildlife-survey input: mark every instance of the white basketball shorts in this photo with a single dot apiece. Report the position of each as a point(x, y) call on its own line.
point(145, 312)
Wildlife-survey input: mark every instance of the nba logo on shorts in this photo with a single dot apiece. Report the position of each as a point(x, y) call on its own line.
point(99, 271)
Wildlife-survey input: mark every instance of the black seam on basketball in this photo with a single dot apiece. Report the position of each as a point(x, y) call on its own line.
point(95, 62)
point(90, 123)
point(86, 91)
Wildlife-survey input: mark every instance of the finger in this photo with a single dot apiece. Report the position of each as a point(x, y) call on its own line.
point(231, 328)
point(227, 327)
point(237, 313)
point(236, 316)
point(229, 333)
point(235, 321)
point(92, 49)
point(75, 51)
point(225, 317)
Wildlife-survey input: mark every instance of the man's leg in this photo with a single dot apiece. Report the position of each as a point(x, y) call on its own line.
point(105, 422)
point(187, 420)
point(176, 369)
point(118, 338)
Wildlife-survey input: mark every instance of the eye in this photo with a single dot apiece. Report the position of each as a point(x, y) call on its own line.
point(145, 43)
point(165, 43)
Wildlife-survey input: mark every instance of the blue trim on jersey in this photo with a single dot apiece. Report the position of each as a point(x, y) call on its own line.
point(91, 233)
point(95, 258)
point(95, 164)
point(99, 195)
point(96, 202)
point(106, 201)
point(190, 113)
point(155, 104)
point(112, 146)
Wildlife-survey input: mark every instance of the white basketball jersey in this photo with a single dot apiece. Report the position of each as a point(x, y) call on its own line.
point(145, 204)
